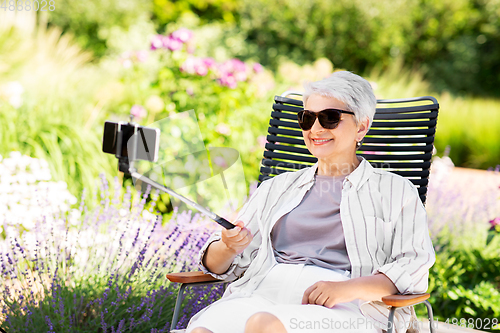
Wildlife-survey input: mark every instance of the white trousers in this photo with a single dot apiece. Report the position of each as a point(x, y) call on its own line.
point(280, 294)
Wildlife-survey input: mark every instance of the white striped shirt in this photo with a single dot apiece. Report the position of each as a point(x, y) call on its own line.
point(385, 230)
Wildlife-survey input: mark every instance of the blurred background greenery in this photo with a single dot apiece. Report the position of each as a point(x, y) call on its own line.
point(63, 72)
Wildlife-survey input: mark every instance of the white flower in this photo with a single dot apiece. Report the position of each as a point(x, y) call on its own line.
point(14, 91)
point(74, 216)
point(14, 88)
point(28, 223)
point(148, 216)
point(26, 195)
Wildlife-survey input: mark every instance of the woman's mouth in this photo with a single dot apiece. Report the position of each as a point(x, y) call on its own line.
point(321, 141)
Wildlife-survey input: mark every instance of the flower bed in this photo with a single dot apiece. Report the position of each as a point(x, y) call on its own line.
point(104, 271)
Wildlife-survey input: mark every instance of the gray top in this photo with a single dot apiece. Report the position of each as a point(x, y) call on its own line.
point(312, 232)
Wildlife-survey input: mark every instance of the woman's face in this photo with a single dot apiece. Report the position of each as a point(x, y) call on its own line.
point(338, 144)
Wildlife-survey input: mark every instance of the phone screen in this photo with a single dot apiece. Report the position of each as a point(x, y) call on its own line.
point(147, 140)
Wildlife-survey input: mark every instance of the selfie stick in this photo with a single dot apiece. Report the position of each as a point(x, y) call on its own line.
point(222, 221)
point(126, 165)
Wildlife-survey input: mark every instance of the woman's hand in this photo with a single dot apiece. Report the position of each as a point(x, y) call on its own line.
point(328, 293)
point(368, 288)
point(220, 254)
point(236, 239)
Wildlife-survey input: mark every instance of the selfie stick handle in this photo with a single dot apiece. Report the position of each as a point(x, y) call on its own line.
point(222, 221)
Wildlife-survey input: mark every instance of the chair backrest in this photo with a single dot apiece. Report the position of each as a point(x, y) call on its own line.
point(400, 139)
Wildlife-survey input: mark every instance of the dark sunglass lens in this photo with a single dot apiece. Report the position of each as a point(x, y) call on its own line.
point(306, 120)
point(329, 119)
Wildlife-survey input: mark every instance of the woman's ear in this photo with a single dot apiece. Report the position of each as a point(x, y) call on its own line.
point(362, 128)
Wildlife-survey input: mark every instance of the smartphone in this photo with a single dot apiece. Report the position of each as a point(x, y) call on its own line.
point(124, 137)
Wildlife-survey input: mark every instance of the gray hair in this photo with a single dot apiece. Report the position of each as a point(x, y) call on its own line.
point(351, 89)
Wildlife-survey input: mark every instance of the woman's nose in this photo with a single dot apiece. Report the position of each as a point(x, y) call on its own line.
point(316, 127)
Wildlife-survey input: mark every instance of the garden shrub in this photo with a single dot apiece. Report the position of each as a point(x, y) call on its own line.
point(464, 283)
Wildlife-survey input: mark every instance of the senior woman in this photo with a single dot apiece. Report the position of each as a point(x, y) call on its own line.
point(315, 250)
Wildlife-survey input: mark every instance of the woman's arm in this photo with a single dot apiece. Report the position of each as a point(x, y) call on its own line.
point(368, 288)
point(220, 254)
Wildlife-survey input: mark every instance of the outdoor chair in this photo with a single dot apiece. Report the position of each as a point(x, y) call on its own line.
point(400, 140)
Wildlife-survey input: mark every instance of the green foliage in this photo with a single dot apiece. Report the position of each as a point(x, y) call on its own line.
point(228, 117)
point(60, 111)
point(305, 31)
point(455, 43)
point(166, 11)
point(465, 280)
point(93, 22)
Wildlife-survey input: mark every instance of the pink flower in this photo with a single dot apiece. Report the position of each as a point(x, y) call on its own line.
point(240, 76)
point(220, 161)
point(125, 59)
point(262, 140)
point(495, 223)
point(138, 111)
point(194, 65)
point(238, 65)
point(231, 72)
point(183, 35)
point(257, 68)
point(171, 43)
point(157, 42)
point(209, 62)
point(190, 48)
point(201, 69)
point(142, 55)
point(232, 66)
point(188, 65)
point(223, 129)
point(228, 80)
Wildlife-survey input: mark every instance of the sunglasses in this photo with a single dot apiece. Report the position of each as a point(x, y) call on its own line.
point(328, 118)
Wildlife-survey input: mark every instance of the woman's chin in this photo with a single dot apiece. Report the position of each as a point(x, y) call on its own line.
point(322, 153)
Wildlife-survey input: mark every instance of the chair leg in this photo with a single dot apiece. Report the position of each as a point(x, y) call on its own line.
point(431, 316)
point(429, 313)
point(391, 319)
point(177, 308)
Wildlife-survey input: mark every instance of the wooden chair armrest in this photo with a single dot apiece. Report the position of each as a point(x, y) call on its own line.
point(190, 277)
point(404, 300)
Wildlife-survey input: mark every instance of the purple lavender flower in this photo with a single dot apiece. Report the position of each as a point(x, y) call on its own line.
point(112, 258)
